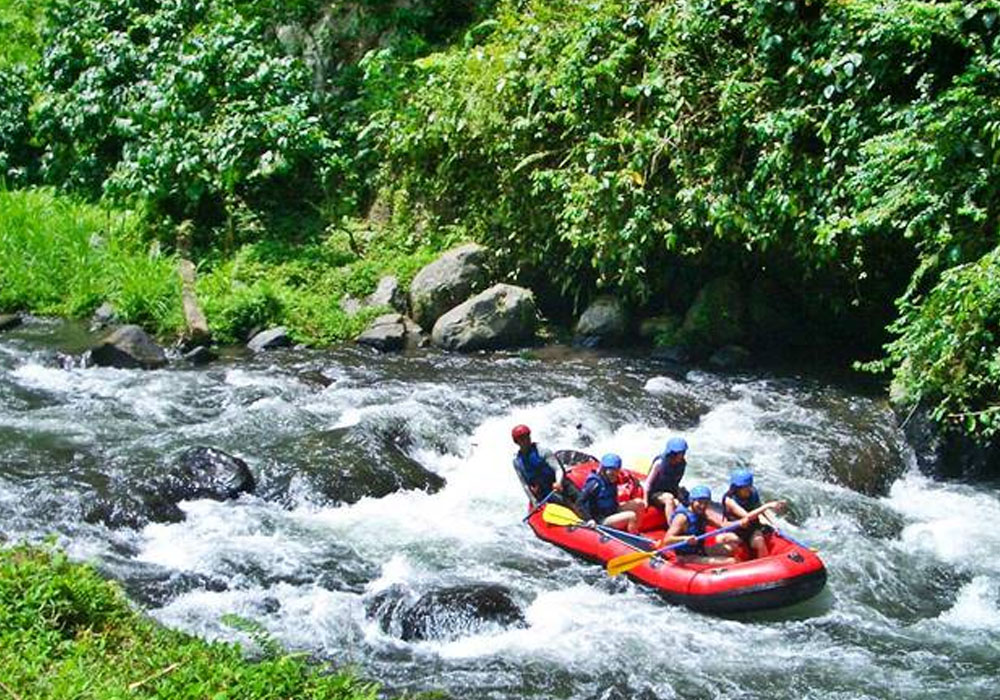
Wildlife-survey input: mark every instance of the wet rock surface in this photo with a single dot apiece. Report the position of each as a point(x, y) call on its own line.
point(444, 614)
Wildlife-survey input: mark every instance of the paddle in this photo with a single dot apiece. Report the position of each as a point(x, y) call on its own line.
point(784, 535)
point(555, 514)
point(539, 506)
point(627, 562)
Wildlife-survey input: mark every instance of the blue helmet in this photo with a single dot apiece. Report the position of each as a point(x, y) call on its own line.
point(699, 493)
point(741, 478)
point(611, 461)
point(676, 444)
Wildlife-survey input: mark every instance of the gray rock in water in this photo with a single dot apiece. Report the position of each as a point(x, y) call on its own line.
point(270, 339)
point(205, 472)
point(388, 293)
point(604, 319)
point(447, 281)
point(386, 333)
point(201, 355)
point(103, 317)
point(129, 347)
point(501, 317)
point(8, 321)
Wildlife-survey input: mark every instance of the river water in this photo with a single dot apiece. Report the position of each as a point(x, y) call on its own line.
point(911, 609)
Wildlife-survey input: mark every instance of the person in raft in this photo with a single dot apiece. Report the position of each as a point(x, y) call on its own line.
point(689, 522)
point(599, 498)
point(743, 498)
point(663, 484)
point(539, 471)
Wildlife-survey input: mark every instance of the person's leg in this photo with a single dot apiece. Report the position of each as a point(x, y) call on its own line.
point(622, 520)
point(725, 544)
point(667, 502)
point(758, 544)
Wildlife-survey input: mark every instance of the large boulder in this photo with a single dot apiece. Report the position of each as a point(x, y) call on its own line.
point(501, 317)
point(446, 282)
point(605, 318)
point(129, 347)
point(717, 317)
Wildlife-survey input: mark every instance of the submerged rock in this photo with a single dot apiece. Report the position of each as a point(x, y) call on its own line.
point(200, 472)
point(344, 465)
point(8, 321)
point(447, 613)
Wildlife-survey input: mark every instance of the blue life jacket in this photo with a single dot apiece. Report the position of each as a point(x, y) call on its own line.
point(599, 497)
point(535, 471)
point(668, 478)
point(695, 527)
point(748, 504)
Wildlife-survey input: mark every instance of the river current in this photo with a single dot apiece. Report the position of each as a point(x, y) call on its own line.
point(911, 608)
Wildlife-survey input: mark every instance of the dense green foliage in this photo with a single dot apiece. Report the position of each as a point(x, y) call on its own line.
point(67, 633)
point(844, 152)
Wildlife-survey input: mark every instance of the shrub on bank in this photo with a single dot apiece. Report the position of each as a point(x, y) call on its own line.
point(65, 632)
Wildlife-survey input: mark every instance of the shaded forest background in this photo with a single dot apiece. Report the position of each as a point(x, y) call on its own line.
point(841, 155)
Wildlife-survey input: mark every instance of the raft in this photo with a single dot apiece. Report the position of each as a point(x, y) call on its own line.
point(790, 573)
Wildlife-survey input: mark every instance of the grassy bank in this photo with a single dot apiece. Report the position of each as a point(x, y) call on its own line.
point(60, 256)
point(67, 633)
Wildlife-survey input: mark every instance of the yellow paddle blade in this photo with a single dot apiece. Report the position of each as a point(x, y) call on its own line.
point(555, 514)
point(626, 562)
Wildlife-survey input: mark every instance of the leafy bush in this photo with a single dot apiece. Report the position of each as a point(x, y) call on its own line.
point(947, 352)
point(191, 107)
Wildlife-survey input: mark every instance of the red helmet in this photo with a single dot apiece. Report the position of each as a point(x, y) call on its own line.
point(519, 432)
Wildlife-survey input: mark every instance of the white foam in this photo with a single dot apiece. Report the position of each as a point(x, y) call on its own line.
point(977, 606)
point(947, 521)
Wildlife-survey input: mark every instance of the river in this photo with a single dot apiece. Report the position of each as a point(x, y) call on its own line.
point(911, 608)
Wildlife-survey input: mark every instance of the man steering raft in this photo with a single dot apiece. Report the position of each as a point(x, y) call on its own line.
point(540, 472)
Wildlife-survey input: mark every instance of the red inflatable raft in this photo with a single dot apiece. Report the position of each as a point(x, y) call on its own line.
point(790, 573)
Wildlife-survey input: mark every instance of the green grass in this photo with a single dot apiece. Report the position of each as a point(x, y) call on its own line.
point(63, 257)
point(67, 633)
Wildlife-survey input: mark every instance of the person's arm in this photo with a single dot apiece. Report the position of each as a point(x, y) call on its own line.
point(586, 496)
point(653, 471)
point(770, 514)
point(550, 458)
point(673, 534)
point(761, 510)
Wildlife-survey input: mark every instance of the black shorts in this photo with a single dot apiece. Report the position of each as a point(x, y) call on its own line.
point(746, 534)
